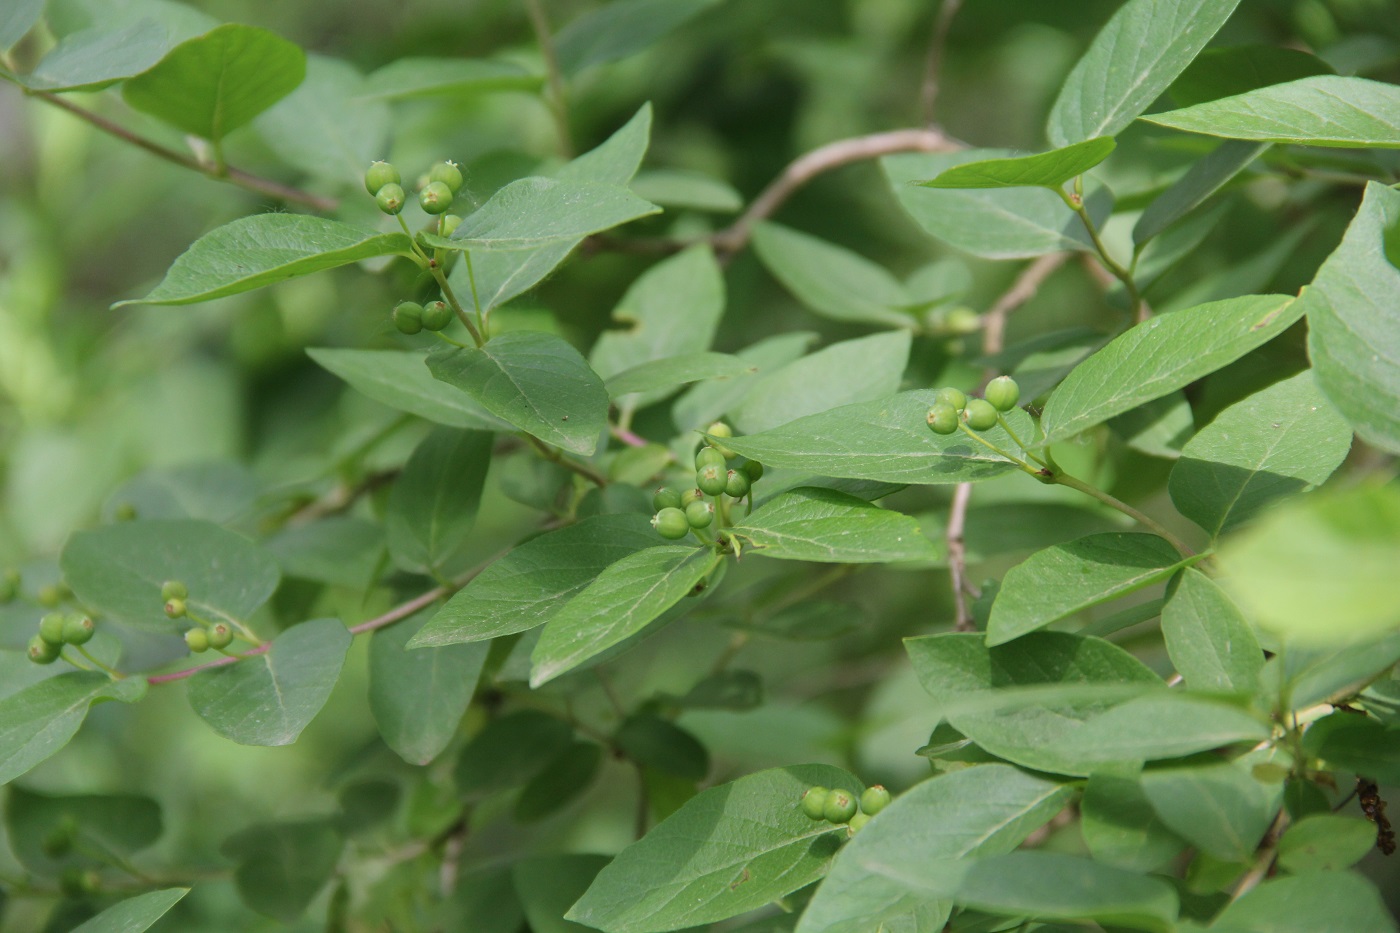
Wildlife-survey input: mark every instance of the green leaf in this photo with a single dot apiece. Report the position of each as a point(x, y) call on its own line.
point(670, 373)
point(1160, 355)
point(16, 19)
point(252, 252)
point(887, 439)
point(1283, 440)
point(529, 586)
point(859, 370)
point(1324, 842)
point(510, 751)
point(619, 603)
point(1354, 322)
point(548, 885)
point(40, 719)
point(1121, 828)
point(268, 699)
point(991, 224)
point(413, 78)
point(220, 491)
point(418, 698)
point(1226, 72)
point(432, 507)
point(134, 914)
point(322, 128)
point(533, 211)
point(658, 743)
point(282, 866)
point(1165, 725)
point(1313, 674)
point(213, 84)
point(1159, 428)
point(1204, 178)
point(1060, 581)
point(981, 811)
point(619, 30)
point(702, 404)
point(1324, 110)
point(689, 190)
point(118, 570)
point(729, 850)
point(1308, 903)
point(831, 527)
point(534, 381)
point(566, 778)
point(1132, 60)
point(831, 280)
point(1044, 170)
point(91, 59)
point(401, 380)
point(1219, 808)
point(1359, 744)
point(105, 825)
point(1210, 643)
point(343, 550)
point(1321, 569)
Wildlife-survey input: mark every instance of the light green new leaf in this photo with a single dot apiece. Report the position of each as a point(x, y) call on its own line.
point(685, 189)
point(620, 29)
point(1354, 320)
point(134, 914)
point(400, 379)
point(268, 699)
point(1324, 900)
point(40, 719)
point(217, 82)
point(1043, 170)
point(282, 866)
point(1232, 70)
point(672, 372)
point(619, 603)
point(859, 370)
point(1121, 828)
point(981, 811)
point(1283, 440)
point(1203, 179)
point(533, 211)
point(16, 19)
point(322, 128)
point(888, 440)
point(418, 698)
point(831, 527)
point(831, 280)
point(1132, 60)
point(529, 586)
point(432, 507)
point(252, 252)
point(1160, 355)
point(1210, 643)
point(91, 59)
point(117, 570)
point(1059, 581)
point(729, 850)
point(535, 381)
point(1222, 809)
point(1323, 842)
point(410, 78)
point(1324, 110)
point(702, 404)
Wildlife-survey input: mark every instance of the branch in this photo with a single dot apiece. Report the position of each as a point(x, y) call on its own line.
point(1265, 857)
point(933, 67)
point(957, 556)
point(1022, 290)
point(558, 106)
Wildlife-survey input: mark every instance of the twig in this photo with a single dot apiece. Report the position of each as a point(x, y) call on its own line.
point(553, 455)
point(1022, 290)
point(558, 106)
point(933, 67)
point(957, 556)
point(626, 436)
point(1264, 858)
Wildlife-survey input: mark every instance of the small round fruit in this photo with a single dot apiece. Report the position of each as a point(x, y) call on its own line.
point(942, 418)
point(435, 198)
point(390, 198)
point(814, 802)
point(665, 498)
point(41, 652)
point(380, 174)
point(689, 496)
point(720, 429)
point(408, 317)
point(220, 635)
point(197, 640)
point(874, 799)
point(51, 628)
point(175, 608)
point(700, 514)
point(711, 480)
point(436, 315)
point(448, 173)
point(736, 484)
point(124, 512)
point(857, 821)
point(450, 222)
point(961, 320)
point(78, 629)
point(1003, 393)
point(951, 396)
point(174, 589)
point(671, 524)
point(839, 807)
point(754, 469)
point(708, 456)
point(980, 414)
point(50, 596)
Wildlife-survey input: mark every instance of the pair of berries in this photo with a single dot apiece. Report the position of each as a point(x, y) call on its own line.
point(56, 630)
point(384, 182)
point(410, 317)
point(219, 635)
point(842, 807)
point(951, 405)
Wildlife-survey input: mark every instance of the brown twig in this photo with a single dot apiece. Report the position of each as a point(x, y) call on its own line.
point(933, 66)
point(1022, 290)
point(1265, 857)
point(957, 556)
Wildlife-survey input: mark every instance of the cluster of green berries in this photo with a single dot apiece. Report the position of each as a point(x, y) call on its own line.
point(203, 636)
point(678, 512)
point(410, 317)
point(842, 807)
point(57, 629)
point(952, 407)
point(435, 195)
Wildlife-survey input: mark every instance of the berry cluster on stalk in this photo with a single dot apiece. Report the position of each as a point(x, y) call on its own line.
point(202, 634)
point(717, 487)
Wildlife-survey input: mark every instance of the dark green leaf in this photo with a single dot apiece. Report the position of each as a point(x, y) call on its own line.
point(16, 19)
point(135, 914)
point(510, 751)
point(120, 824)
point(1121, 828)
point(1359, 744)
point(1158, 428)
point(831, 280)
point(1044, 170)
point(534, 211)
point(660, 744)
point(831, 527)
point(342, 550)
point(40, 719)
point(401, 380)
point(282, 866)
point(1210, 643)
point(548, 886)
point(1225, 72)
point(432, 507)
point(92, 59)
point(410, 78)
point(1309, 903)
point(219, 491)
point(620, 29)
point(1205, 177)
point(1324, 842)
point(665, 375)
point(560, 783)
point(1222, 809)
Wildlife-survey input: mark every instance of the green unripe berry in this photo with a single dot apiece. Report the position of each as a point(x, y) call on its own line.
point(691, 495)
point(1003, 393)
point(380, 174)
point(9, 585)
point(450, 222)
point(671, 524)
point(51, 596)
point(174, 589)
point(408, 317)
point(754, 469)
point(942, 418)
point(78, 629)
point(711, 480)
point(435, 197)
point(951, 396)
point(51, 628)
point(814, 802)
point(436, 315)
point(736, 484)
point(857, 821)
point(220, 635)
point(75, 882)
point(175, 608)
point(665, 498)
point(961, 320)
point(125, 512)
point(197, 640)
point(708, 456)
point(720, 429)
point(448, 173)
point(874, 799)
point(839, 807)
point(41, 652)
point(700, 514)
point(390, 198)
point(980, 414)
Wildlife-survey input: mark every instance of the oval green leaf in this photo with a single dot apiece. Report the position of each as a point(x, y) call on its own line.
point(831, 527)
point(1044, 170)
